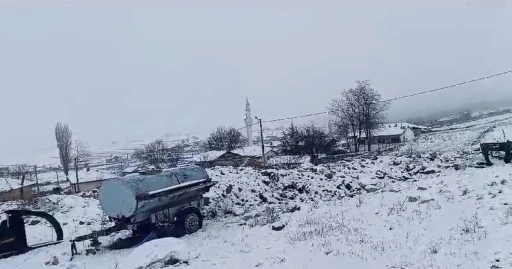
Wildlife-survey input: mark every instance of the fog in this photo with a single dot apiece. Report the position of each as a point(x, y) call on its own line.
point(127, 70)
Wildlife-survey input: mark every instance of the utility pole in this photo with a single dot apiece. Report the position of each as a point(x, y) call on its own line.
point(37, 180)
point(57, 174)
point(262, 144)
point(77, 188)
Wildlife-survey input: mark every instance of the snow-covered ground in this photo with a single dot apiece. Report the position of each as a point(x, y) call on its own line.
point(425, 206)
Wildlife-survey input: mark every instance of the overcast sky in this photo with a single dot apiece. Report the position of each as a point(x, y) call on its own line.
point(143, 69)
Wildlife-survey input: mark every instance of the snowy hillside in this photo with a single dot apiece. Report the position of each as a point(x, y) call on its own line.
point(425, 206)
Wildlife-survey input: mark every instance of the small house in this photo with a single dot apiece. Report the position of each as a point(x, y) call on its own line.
point(11, 190)
point(4, 171)
point(389, 133)
point(246, 156)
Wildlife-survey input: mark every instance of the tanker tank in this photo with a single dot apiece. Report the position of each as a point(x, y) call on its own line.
point(139, 194)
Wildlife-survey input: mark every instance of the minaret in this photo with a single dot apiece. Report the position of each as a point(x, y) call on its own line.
point(248, 121)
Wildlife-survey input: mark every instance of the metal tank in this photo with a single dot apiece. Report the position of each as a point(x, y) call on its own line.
point(141, 194)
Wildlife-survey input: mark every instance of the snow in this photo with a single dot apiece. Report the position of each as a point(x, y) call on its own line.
point(92, 175)
point(448, 118)
point(288, 159)
point(9, 184)
point(156, 252)
point(188, 183)
point(405, 209)
point(251, 151)
point(396, 128)
point(208, 156)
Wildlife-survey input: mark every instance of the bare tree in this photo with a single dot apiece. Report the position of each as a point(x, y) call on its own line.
point(63, 136)
point(81, 153)
point(373, 109)
point(227, 139)
point(346, 113)
point(359, 111)
point(156, 152)
point(139, 154)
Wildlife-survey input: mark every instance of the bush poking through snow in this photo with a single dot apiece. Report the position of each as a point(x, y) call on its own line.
point(471, 225)
point(310, 228)
point(269, 216)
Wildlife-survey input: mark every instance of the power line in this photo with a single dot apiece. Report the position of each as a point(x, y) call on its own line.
point(450, 86)
point(399, 97)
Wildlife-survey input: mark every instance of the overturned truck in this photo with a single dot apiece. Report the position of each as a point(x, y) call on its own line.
point(150, 204)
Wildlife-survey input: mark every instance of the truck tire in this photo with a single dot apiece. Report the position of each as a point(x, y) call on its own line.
point(190, 220)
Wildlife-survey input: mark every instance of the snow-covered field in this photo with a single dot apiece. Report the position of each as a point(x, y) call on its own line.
point(424, 206)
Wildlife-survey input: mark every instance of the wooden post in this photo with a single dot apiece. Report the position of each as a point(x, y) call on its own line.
point(262, 144)
point(58, 182)
point(37, 180)
point(77, 188)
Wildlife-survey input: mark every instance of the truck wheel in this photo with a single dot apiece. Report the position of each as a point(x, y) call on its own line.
point(191, 220)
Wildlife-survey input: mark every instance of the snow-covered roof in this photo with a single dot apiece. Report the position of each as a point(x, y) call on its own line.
point(92, 175)
point(131, 169)
point(208, 156)
point(251, 151)
point(395, 128)
point(11, 183)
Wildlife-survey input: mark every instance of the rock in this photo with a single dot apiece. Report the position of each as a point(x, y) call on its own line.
point(64, 223)
point(371, 188)
point(229, 189)
point(291, 186)
point(422, 188)
point(456, 166)
point(222, 173)
point(90, 251)
point(329, 175)
point(266, 181)
point(81, 223)
point(426, 201)
point(380, 174)
point(374, 158)
point(503, 182)
point(314, 170)
point(429, 171)
point(294, 209)
point(340, 186)
point(479, 166)
point(54, 261)
point(481, 163)
point(432, 156)
point(396, 162)
point(393, 191)
point(34, 222)
point(263, 198)
point(406, 177)
point(278, 227)
point(412, 199)
point(239, 189)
